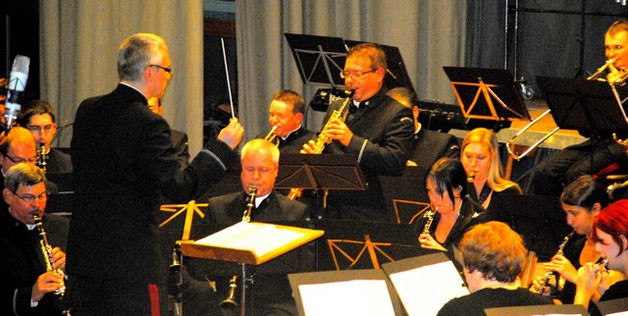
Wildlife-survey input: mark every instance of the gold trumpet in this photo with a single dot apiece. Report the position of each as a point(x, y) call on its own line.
point(272, 137)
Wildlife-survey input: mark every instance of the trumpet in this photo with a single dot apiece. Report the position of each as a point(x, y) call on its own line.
point(540, 283)
point(322, 140)
point(272, 137)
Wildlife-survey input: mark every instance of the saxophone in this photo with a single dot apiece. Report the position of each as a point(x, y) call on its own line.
point(542, 280)
point(42, 157)
point(322, 140)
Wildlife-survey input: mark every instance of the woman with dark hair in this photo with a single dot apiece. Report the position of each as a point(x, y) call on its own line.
point(445, 223)
point(582, 201)
point(610, 234)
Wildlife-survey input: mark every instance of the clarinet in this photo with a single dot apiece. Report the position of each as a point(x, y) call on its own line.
point(42, 157)
point(429, 214)
point(246, 217)
point(543, 279)
point(46, 249)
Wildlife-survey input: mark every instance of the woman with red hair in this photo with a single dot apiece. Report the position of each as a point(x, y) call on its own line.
point(610, 234)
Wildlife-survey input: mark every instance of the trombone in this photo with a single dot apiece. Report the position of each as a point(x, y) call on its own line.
point(615, 78)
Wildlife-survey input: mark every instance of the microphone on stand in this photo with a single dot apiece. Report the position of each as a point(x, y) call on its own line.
point(17, 83)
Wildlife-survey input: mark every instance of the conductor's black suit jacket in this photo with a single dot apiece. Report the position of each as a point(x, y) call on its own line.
point(123, 158)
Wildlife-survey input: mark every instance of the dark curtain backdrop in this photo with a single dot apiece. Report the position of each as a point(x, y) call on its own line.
point(548, 44)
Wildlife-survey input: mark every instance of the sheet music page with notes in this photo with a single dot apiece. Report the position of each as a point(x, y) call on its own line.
point(356, 297)
point(424, 290)
point(246, 236)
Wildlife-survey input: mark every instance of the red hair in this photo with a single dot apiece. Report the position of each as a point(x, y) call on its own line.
point(613, 220)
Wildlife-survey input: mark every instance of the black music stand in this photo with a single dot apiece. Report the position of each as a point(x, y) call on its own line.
point(320, 59)
point(487, 95)
point(584, 105)
point(319, 172)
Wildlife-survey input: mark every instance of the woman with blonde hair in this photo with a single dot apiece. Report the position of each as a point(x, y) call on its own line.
point(480, 158)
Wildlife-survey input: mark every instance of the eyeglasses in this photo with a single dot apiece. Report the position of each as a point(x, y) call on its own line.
point(357, 74)
point(20, 159)
point(39, 129)
point(168, 70)
point(30, 198)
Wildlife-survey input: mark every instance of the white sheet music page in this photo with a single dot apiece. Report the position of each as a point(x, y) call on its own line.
point(424, 290)
point(356, 297)
point(259, 238)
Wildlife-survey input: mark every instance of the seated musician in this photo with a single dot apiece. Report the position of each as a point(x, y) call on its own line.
point(27, 287)
point(39, 117)
point(260, 164)
point(610, 234)
point(286, 112)
point(551, 175)
point(582, 201)
point(446, 187)
point(480, 158)
point(429, 145)
point(493, 256)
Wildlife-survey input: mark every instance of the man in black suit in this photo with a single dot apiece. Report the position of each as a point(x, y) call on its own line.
point(39, 118)
point(378, 132)
point(179, 139)
point(27, 287)
point(429, 145)
point(260, 164)
point(123, 159)
point(286, 112)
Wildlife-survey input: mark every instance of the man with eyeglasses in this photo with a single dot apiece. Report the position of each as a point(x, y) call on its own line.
point(27, 287)
point(38, 116)
point(123, 159)
point(378, 132)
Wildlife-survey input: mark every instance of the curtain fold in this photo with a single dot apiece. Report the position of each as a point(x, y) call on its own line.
point(79, 42)
point(429, 34)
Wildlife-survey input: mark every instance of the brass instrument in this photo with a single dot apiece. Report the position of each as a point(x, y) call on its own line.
point(46, 249)
point(230, 302)
point(42, 157)
point(615, 78)
point(322, 140)
point(540, 283)
point(272, 137)
point(246, 217)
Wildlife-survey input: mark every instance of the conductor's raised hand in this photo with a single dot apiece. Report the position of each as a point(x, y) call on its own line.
point(232, 134)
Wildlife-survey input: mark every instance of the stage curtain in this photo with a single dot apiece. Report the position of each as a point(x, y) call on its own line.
point(429, 34)
point(79, 40)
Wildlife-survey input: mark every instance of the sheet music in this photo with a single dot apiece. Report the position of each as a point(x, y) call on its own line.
point(424, 290)
point(245, 236)
point(356, 297)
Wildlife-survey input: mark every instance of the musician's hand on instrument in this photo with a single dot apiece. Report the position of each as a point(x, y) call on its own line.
point(563, 266)
point(428, 242)
point(547, 290)
point(47, 282)
point(308, 148)
point(232, 134)
point(338, 130)
point(58, 259)
point(588, 281)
